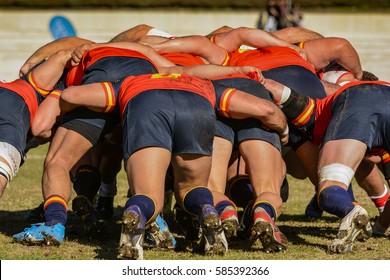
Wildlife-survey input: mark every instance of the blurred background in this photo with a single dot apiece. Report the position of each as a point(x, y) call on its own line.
point(24, 24)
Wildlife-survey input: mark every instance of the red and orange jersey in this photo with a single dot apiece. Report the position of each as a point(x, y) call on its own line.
point(75, 74)
point(268, 58)
point(26, 91)
point(134, 85)
point(183, 59)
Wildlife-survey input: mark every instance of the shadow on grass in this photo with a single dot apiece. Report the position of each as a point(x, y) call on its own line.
point(299, 230)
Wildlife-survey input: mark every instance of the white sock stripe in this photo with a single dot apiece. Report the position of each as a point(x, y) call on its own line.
point(382, 195)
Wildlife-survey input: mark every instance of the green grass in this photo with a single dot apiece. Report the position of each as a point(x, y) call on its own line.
point(308, 239)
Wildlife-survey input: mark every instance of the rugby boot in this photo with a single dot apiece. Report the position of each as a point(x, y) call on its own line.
point(378, 229)
point(132, 234)
point(284, 190)
point(188, 224)
point(245, 221)
point(36, 214)
point(93, 225)
point(264, 229)
point(229, 220)
point(355, 223)
point(39, 234)
point(213, 236)
point(105, 206)
point(312, 209)
point(158, 234)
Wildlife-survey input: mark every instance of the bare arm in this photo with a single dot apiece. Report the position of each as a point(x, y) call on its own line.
point(253, 37)
point(296, 34)
point(49, 49)
point(75, 96)
point(243, 105)
point(320, 52)
point(194, 44)
point(46, 117)
point(47, 74)
point(149, 52)
point(211, 71)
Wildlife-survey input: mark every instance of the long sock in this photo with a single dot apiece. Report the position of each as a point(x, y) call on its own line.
point(220, 206)
point(267, 207)
point(55, 208)
point(195, 198)
point(336, 200)
point(145, 203)
point(350, 191)
point(87, 181)
point(226, 213)
point(108, 189)
point(240, 191)
point(380, 201)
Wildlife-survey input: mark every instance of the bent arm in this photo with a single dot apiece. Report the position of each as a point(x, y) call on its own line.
point(47, 74)
point(92, 96)
point(243, 105)
point(49, 49)
point(149, 52)
point(46, 117)
point(321, 52)
point(252, 37)
point(211, 71)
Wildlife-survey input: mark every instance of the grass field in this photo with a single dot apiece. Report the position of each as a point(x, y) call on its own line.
point(308, 239)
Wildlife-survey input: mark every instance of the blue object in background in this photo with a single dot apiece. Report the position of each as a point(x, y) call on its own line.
point(61, 27)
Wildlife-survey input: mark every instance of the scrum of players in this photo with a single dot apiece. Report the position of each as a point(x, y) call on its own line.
point(216, 120)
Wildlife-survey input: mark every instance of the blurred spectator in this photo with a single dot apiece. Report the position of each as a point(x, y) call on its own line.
point(280, 14)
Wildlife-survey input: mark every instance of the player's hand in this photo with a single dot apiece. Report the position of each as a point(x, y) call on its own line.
point(254, 73)
point(78, 53)
point(284, 139)
point(27, 66)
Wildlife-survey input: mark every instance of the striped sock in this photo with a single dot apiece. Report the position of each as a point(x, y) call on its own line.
point(145, 203)
point(267, 207)
point(195, 198)
point(55, 208)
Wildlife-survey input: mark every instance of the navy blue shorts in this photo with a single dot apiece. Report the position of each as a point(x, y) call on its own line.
point(303, 81)
point(362, 113)
point(179, 121)
point(237, 131)
point(112, 68)
point(14, 120)
point(107, 69)
point(299, 79)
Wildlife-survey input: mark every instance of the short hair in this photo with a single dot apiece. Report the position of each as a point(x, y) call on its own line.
point(368, 76)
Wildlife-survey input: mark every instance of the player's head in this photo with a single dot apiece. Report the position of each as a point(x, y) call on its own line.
point(368, 76)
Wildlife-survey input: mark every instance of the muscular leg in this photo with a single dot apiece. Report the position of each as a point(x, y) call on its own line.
point(190, 171)
point(3, 181)
point(266, 172)
point(222, 150)
point(146, 170)
point(370, 179)
point(66, 148)
point(338, 161)
point(191, 174)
